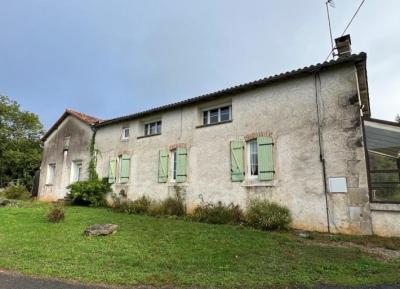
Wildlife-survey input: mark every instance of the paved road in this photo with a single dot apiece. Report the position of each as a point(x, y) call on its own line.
point(17, 281)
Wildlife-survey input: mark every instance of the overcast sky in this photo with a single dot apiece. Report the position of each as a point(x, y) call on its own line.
point(109, 58)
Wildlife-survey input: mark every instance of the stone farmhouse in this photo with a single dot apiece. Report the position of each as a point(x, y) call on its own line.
point(304, 139)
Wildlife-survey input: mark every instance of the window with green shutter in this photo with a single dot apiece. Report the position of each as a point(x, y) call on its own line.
point(163, 166)
point(181, 163)
point(111, 170)
point(265, 159)
point(237, 161)
point(125, 161)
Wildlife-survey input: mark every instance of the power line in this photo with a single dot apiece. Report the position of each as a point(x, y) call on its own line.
point(347, 26)
point(352, 18)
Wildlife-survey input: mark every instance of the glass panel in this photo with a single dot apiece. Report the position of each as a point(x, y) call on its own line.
point(214, 116)
point(386, 192)
point(146, 129)
point(159, 127)
point(383, 143)
point(379, 177)
point(253, 158)
point(126, 132)
point(225, 115)
point(174, 165)
point(205, 117)
point(153, 128)
point(381, 162)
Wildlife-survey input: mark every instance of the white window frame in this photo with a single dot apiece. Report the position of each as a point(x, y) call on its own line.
point(219, 107)
point(124, 137)
point(51, 174)
point(147, 127)
point(173, 158)
point(76, 167)
point(248, 153)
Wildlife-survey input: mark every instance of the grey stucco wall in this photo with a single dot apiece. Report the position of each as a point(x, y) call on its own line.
point(53, 153)
point(287, 110)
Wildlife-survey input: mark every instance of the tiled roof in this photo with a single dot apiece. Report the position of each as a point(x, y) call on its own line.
point(354, 58)
point(84, 117)
point(93, 121)
point(89, 120)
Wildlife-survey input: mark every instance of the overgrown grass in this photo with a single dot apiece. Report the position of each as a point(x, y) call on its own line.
point(162, 251)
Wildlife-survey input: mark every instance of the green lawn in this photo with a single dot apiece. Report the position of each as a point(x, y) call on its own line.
point(158, 251)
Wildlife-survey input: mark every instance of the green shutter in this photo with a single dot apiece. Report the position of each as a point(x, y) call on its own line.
point(125, 164)
point(181, 160)
point(163, 166)
point(111, 170)
point(237, 164)
point(265, 160)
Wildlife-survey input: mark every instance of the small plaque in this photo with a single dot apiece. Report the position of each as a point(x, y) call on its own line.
point(338, 185)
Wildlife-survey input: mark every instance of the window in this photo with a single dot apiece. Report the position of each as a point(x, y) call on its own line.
point(152, 128)
point(67, 141)
point(173, 165)
point(383, 144)
point(260, 164)
point(252, 159)
point(76, 171)
point(125, 133)
point(216, 115)
point(51, 172)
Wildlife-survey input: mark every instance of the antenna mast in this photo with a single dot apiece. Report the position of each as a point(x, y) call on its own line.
point(331, 4)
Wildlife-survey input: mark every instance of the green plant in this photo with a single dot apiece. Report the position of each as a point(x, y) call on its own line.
point(218, 213)
point(91, 192)
point(171, 206)
point(122, 204)
point(141, 205)
point(55, 214)
point(16, 192)
point(265, 215)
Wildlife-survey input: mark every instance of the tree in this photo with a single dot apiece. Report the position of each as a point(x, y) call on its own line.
point(398, 118)
point(20, 144)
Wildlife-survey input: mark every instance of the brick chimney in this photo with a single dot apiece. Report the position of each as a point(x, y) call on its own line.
point(343, 46)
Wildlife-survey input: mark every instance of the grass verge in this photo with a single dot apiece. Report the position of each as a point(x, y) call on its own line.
point(162, 251)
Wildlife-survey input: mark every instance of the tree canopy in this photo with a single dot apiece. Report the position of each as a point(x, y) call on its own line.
point(20, 144)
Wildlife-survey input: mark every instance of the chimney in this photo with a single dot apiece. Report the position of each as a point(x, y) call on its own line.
point(343, 46)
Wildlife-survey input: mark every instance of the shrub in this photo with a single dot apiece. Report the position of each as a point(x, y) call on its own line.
point(91, 192)
point(16, 192)
point(171, 206)
point(56, 214)
point(218, 213)
point(141, 205)
point(267, 216)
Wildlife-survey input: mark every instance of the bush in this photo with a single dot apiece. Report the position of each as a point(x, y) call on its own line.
point(267, 216)
point(89, 193)
point(122, 204)
point(218, 213)
point(56, 214)
point(16, 192)
point(141, 205)
point(171, 206)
